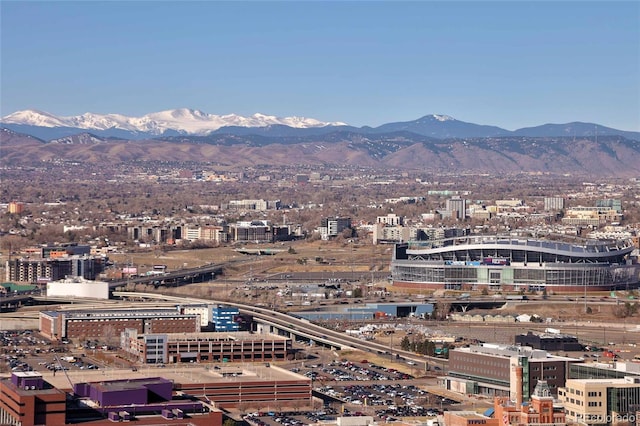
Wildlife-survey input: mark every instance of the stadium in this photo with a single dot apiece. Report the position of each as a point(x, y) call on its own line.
point(515, 264)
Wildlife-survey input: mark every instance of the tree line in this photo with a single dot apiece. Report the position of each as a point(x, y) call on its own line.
point(424, 346)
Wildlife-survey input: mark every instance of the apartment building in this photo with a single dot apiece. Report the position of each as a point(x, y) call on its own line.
point(391, 220)
point(259, 205)
point(215, 233)
point(43, 270)
point(390, 234)
point(15, 207)
point(553, 203)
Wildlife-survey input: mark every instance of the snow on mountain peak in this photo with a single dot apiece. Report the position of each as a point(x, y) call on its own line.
point(441, 117)
point(183, 120)
point(34, 118)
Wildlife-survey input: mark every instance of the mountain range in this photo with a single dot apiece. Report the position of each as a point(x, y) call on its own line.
point(190, 122)
point(434, 143)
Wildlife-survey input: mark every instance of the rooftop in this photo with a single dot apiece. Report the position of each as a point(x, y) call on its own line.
point(116, 313)
point(188, 375)
point(32, 374)
point(509, 351)
point(220, 335)
point(468, 414)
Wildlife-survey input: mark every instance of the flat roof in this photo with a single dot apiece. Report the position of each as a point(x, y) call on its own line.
point(187, 374)
point(128, 384)
point(509, 351)
point(607, 381)
point(48, 390)
point(26, 374)
point(221, 335)
point(120, 313)
point(469, 414)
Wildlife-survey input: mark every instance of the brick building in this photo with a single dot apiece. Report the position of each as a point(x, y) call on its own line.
point(27, 400)
point(58, 325)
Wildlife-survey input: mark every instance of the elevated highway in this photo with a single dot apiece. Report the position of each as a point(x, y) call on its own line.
point(175, 278)
point(295, 327)
point(11, 303)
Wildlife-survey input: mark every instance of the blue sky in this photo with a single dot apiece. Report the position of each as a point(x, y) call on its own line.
point(509, 63)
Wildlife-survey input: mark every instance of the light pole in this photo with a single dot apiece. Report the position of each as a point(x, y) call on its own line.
point(584, 283)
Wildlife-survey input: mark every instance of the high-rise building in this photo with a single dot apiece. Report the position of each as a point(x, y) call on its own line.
point(458, 207)
point(553, 203)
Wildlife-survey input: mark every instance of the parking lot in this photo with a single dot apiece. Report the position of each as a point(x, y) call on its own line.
point(26, 350)
point(352, 388)
point(290, 418)
point(346, 371)
point(365, 388)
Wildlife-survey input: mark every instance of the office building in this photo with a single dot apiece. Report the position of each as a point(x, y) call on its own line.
point(26, 399)
point(458, 207)
point(604, 370)
point(613, 204)
point(488, 369)
point(58, 325)
point(333, 226)
point(601, 401)
point(224, 318)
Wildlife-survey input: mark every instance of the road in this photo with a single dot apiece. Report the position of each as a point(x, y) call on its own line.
point(305, 328)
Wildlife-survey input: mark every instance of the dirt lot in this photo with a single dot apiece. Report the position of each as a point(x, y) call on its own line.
point(338, 256)
point(294, 256)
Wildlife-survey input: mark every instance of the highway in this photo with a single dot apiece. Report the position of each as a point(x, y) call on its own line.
point(303, 328)
point(182, 276)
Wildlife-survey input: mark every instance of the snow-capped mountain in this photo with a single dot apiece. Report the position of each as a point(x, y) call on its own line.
point(183, 120)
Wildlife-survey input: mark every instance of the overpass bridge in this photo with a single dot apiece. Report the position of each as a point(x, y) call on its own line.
point(301, 329)
point(11, 303)
point(175, 278)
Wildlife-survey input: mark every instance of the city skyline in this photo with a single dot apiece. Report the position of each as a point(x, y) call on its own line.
point(508, 64)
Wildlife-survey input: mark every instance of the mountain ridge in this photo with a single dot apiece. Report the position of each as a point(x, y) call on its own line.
point(611, 156)
point(182, 120)
point(190, 122)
